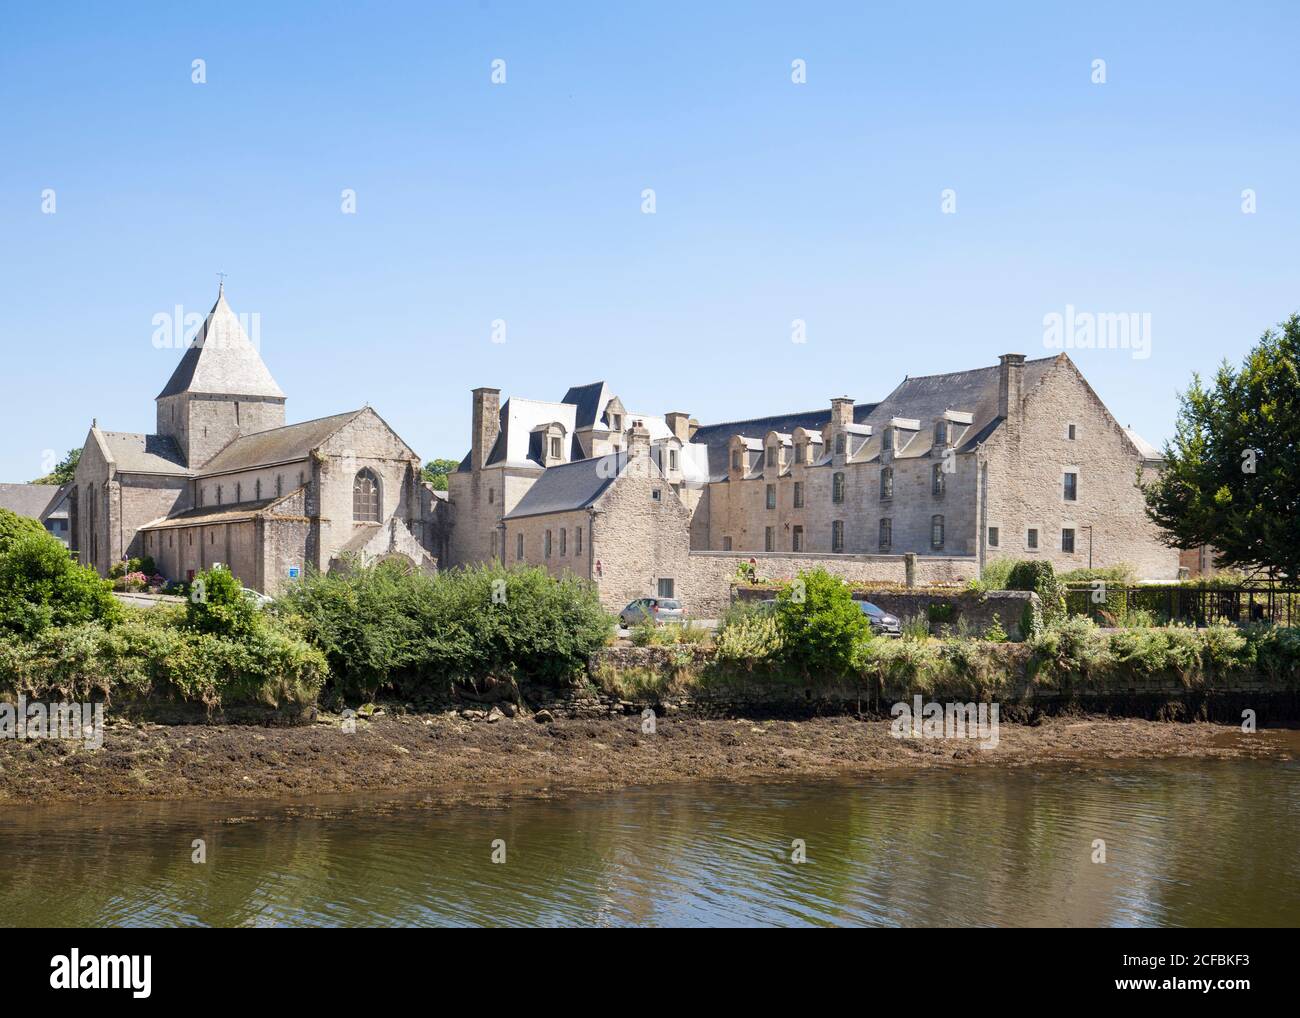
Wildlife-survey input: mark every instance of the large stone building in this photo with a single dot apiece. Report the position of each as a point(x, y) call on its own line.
point(225, 480)
point(1020, 460)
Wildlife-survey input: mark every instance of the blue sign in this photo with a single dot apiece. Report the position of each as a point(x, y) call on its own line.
point(293, 572)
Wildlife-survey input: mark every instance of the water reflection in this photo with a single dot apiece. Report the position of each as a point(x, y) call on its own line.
point(1187, 843)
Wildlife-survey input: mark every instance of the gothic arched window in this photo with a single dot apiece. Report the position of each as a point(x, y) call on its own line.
point(365, 497)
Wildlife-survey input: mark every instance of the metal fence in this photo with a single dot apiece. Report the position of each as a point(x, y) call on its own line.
point(1111, 605)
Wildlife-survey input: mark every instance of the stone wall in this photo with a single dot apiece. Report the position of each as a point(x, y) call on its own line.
point(712, 573)
point(1025, 469)
point(974, 609)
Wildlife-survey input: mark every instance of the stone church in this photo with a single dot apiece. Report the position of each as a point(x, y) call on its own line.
point(223, 479)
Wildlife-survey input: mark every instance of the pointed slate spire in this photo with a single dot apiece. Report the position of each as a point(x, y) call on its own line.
point(222, 360)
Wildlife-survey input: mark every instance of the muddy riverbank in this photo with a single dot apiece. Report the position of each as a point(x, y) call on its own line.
point(458, 759)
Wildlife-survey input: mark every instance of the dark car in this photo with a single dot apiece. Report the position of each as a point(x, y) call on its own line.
point(882, 623)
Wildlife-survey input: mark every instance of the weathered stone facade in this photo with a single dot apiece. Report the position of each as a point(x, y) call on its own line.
point(947, 472)
point(226, 481)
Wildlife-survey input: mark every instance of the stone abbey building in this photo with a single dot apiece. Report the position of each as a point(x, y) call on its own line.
point(223, 479)
point(1020, 459)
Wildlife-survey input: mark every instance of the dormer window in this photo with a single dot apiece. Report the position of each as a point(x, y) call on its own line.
point(841, 443)
point(672, 459)
point(771, 456)
point(555, 448)
point(940, 432)
point(615, 422)
point(735, 459)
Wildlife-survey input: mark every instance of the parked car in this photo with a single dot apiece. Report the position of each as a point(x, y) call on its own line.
point(656, 609)
point(259, 599)
point(882, 623)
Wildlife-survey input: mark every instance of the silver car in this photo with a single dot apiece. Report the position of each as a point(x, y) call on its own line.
point(656, 609)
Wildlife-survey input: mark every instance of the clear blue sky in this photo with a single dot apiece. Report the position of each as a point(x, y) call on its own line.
point(522, 201)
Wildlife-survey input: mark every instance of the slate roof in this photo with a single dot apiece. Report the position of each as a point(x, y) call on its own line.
point(277, 445)
point(27, 499)
point(718, 436)
point(222, 359)
point(569, 486)
point(589, 400)
point(233, 513)
point(926, 397)
point(1145, 448)
point(143, 454)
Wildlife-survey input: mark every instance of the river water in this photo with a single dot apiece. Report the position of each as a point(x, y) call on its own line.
point(1187, 843)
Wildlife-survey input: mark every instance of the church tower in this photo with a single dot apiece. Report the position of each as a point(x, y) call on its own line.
point(219, 390)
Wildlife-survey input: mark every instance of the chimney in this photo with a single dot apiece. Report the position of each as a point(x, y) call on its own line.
point(638, 440)
point(487, 425)
point(679, 424)
point(841, 411)
point(1011, 375)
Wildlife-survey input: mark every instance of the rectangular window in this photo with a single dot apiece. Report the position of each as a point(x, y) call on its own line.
point(993, 537)
point(494, 544)
point(555, 448)
point(771, 496)
point(886, 534)
point(837, 488)
point(672, 459)
point(1071, 487)
point(735, 460)
point(577, 540)
point(771, 456)
point(936, 481)
point(666, 587)
point(519, 546)
point(837, 535)
point(797, 537)
point(798, 494)
point(1031, 539)
point(726, 544)
point(1071, 433)
point(936, 531)
point(1067, 540)
point(564, 542)
point(886, 483)
point(656, 494)
point(841, 442)
point(769, 539)
point(546, 545)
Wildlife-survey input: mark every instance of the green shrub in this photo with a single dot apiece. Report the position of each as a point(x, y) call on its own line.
point(995, 633)
point(994, 575)
point(390, 626)
point(820, 624)
point(152, 656)
point(752, 637)
point(13, 526)
point(40, 587)
point(218, 605)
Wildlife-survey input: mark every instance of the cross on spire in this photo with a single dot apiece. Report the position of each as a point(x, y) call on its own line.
point(221, 283)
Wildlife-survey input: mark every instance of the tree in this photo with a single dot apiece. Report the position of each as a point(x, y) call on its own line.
point(218, 605)
point(820, 624)
point(1231, 477)
point(40, 586)
point(63, 472)
point(436, 471)
point(13, 526)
